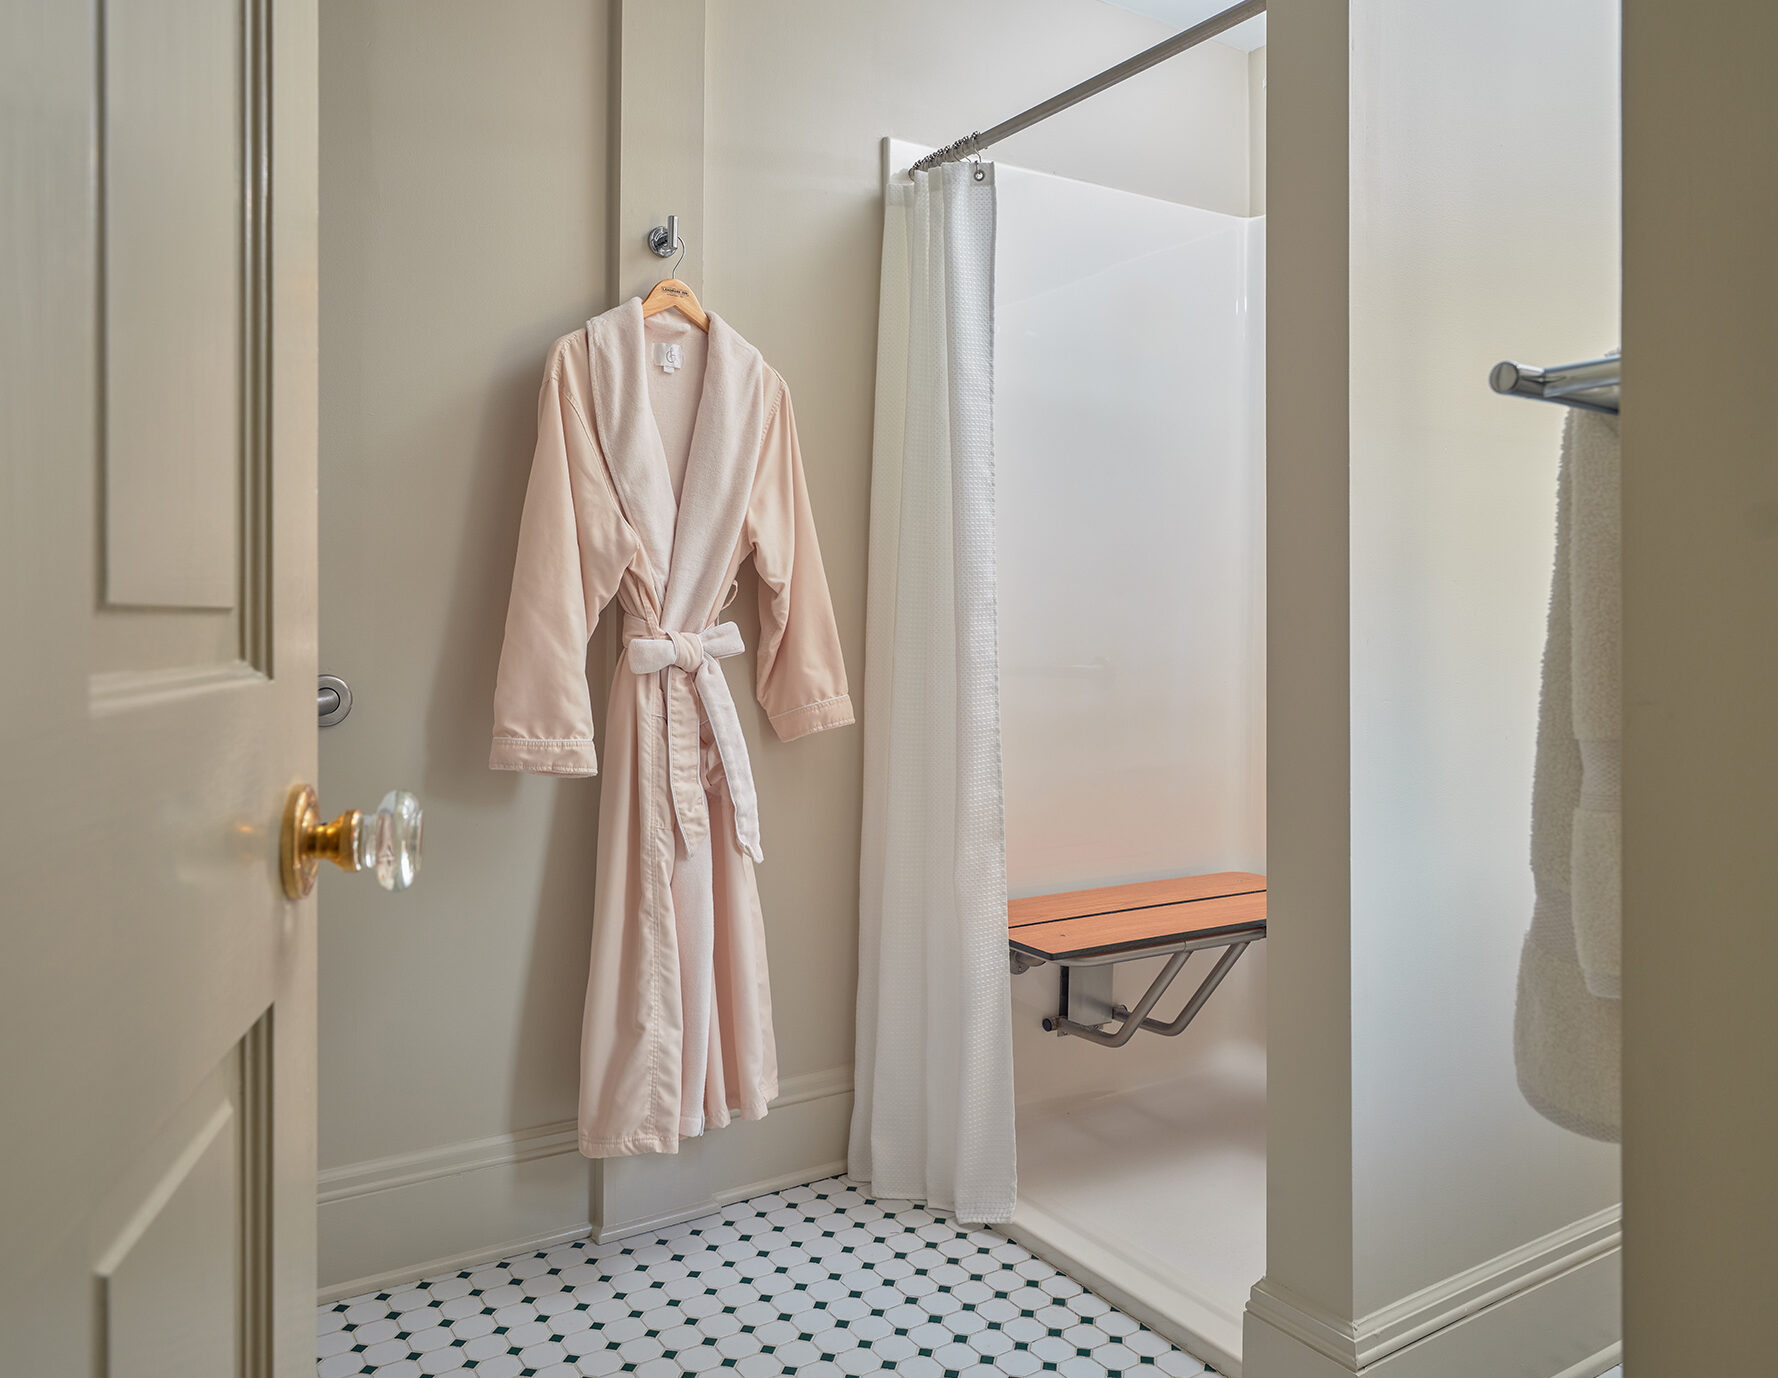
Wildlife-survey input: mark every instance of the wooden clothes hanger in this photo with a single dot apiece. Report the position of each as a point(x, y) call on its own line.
point(670, 294)
point(673, 295)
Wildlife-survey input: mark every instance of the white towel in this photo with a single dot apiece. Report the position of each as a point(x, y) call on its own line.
point(1567, 1036)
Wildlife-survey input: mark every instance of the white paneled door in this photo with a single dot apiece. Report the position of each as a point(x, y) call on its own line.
point(157, 686)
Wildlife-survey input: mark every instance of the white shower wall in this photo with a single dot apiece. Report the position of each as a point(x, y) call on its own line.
point(1130, 457)
point(1128, 384)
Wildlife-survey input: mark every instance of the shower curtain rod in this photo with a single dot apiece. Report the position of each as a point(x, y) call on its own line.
point(1092, 86)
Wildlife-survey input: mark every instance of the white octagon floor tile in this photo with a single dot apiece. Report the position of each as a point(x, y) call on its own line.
point(819, 1281)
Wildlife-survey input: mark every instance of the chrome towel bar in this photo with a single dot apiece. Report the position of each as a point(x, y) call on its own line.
point(1592, 384)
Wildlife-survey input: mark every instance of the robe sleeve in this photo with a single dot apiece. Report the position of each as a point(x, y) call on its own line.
point(802, 679)
point(573, 548)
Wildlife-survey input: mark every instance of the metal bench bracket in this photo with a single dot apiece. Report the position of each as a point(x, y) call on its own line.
point(1066, 1020)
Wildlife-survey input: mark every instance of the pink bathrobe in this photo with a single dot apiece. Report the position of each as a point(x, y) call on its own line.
point(664, 459)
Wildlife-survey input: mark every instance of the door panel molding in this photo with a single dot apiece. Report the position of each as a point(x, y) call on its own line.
point(184, 492)
point(185, 1280)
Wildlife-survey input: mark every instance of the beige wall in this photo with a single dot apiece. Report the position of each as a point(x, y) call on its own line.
point(1256, 131)
point(463, 193)
point(468, 219)
point(1411, 546)
point(1700, 663)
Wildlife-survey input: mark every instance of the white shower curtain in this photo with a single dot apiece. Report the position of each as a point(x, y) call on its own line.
point(932, 1119)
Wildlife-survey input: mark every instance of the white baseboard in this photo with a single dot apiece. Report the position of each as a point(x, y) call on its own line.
point(796, 1177)
point(396, 1219)
point(447, 1160)
point(802, 1140)
point(451, 1263)
point(387, 1221)
point(1552, 1303)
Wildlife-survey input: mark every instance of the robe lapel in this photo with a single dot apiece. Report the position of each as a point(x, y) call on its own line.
point(618, 355)
point(713, 500)
point(689, 543)
point(718, 476)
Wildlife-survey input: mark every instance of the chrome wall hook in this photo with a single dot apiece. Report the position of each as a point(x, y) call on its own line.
point(664, 239)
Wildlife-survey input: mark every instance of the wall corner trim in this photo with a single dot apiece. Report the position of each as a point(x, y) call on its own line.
point(658, 145)
point(1354, 1345)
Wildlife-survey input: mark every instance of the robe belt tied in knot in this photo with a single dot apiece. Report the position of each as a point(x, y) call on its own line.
point(685, 650)
point(690, 675)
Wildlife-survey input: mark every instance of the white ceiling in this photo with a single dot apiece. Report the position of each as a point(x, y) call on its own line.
point(1182, 14)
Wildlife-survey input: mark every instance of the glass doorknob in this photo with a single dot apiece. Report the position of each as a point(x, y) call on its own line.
point(386, 842)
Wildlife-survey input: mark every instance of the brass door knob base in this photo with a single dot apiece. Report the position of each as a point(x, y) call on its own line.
point(307, 841)
point(386, 842)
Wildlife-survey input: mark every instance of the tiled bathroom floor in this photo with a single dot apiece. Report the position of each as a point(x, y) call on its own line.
point(817, 1281)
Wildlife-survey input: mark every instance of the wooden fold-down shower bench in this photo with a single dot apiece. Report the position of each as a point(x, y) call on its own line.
point(1088, 932)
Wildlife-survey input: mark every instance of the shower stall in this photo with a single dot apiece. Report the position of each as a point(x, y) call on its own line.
point(1130, 472)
